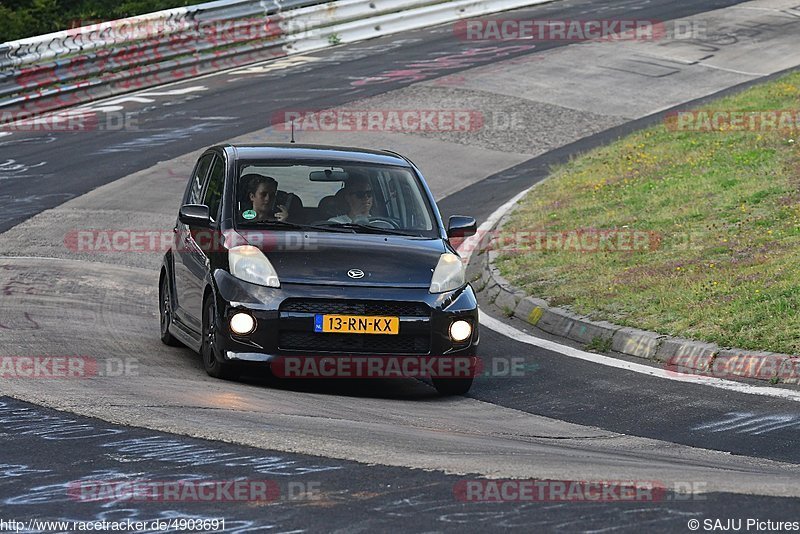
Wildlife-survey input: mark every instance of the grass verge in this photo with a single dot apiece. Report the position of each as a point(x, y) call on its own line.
point(717, 215)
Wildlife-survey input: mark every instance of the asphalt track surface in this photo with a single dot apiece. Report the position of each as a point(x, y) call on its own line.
point(755, 436)
point(334, 497)
point(81, 161)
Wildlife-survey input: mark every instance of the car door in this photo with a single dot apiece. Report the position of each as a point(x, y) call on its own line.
point(201, 242)
point(186, 284)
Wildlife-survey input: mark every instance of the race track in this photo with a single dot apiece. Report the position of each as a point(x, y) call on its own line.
point(564, 419)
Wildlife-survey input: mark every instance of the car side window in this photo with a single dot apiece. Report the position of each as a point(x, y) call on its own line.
point(198, 179)
point(216, 183)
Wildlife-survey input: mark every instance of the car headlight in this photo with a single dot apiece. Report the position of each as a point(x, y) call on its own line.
point(248, 263)
point(448, 275)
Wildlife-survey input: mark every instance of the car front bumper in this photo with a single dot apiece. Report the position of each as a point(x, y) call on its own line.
point(285, 320)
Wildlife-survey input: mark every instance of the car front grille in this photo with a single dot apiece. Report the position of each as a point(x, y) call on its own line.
point(354, 307)
point(355, 343)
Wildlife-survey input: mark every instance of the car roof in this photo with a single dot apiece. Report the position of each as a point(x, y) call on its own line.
point(315, 152)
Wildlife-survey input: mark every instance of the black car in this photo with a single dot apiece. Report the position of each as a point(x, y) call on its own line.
point(315, 252)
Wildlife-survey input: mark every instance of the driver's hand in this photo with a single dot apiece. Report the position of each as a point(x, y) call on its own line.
point(282, 214)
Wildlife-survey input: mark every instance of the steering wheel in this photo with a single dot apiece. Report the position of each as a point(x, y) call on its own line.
point(384, 222)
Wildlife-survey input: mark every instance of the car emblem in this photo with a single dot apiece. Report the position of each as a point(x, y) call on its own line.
point(355, 273)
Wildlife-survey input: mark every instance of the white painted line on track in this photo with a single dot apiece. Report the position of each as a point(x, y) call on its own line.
point(739, 387)
point(174, 92)
point(470, 245)
point(734, 71)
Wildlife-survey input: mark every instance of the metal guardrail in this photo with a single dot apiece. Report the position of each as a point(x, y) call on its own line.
point(65, 68)
point(149, 26)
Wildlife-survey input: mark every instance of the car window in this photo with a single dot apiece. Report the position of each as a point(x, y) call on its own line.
point(198, 179)
point(295, 179)
point(384, 196)
point(216, 182)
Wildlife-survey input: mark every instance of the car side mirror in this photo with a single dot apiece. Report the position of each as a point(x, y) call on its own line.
point(195, 215)
point(461, 226)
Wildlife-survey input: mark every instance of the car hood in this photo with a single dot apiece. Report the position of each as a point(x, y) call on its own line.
point(325, 259)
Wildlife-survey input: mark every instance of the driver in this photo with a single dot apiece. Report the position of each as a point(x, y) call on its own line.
point(358, 196)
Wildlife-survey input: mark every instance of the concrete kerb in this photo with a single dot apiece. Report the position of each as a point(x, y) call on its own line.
point(682, 355)
point(790, 371)
point(697, 355)
point(751, 364)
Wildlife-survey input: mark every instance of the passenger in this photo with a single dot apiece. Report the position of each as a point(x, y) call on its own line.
point(262, 190)
point(357, 194)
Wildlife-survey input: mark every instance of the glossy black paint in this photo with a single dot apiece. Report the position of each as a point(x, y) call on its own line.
point(460, 226)
point(311, 266)
point(197, 215)
point(324, 259)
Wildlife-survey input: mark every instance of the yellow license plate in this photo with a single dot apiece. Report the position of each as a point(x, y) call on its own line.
point(356, 324)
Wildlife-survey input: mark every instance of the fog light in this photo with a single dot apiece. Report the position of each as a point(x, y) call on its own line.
point(460, 331)
point(242, 323)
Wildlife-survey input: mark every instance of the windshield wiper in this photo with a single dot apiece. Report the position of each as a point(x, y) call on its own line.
point(370, 229)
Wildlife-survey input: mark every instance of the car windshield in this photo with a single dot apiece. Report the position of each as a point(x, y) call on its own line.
point(336, 197)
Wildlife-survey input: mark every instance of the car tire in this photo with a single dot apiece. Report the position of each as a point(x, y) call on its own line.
point(209, 349)
point(452, 386)
point(165, 313)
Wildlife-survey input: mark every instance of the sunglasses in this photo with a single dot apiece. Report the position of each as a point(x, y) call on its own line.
point(362, 194)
